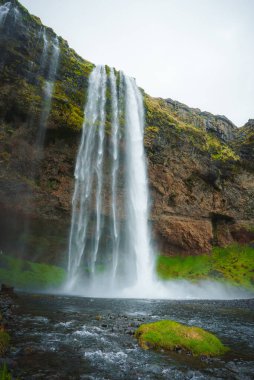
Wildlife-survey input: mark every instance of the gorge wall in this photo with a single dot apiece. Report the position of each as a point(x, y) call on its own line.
point(201, 172)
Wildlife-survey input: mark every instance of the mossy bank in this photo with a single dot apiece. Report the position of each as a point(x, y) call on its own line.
point(234, 265)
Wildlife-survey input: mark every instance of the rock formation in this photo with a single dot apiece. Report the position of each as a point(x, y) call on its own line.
point(200, 165)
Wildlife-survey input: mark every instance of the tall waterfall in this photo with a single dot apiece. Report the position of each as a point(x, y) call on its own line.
point(109, 245)
point(136, 184)
point(48, 85)
point(88, 166)
point(4, 10)
point(115, 167)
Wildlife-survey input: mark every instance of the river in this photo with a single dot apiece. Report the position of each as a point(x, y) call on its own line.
point(62, 337)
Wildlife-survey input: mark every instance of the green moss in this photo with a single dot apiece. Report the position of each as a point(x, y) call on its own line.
point(157, 114)
point(174, 336)
point(4, 373)
point(190, 267)
point(250, 228)
point(234, 264)
point(4, 342)
point(107, 68)
point(160, 119)
point(26, 274)
point(218, 150)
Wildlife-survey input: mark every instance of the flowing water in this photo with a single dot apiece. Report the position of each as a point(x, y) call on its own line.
point(126, 261)
point(48, 85)
point(88, 172)
point(115, 168)
point(4, 10)
point(8, 9)
point(61, 337)
point(45, 51)
point(137, 188)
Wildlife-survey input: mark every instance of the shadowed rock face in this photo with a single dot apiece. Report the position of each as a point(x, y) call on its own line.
point(200, 166)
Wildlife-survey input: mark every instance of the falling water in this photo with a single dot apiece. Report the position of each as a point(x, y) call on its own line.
point(48, 86)
point(99, 165)
point(137, 186)
point(91, 151)
point(87, 230)
point(44, 53)
point(4, 10)
point(115, 166)
point(36, 73)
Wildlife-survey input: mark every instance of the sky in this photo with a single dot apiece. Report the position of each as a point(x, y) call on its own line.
point(199, 52)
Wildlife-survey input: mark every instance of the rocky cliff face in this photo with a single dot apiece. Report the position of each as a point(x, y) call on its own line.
point(218, 125)
point(200, 165)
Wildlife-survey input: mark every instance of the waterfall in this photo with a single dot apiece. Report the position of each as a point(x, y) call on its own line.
point(4, 10)
point(96, 267)
point(136, 184)
point(91, 150)
point(8, 9)
point(115, 166)
point(44, 54)
point(48, 86)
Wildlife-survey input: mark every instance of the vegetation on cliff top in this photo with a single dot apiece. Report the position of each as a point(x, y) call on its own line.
point(174, 336)
point(234, 264)
point(159, 117)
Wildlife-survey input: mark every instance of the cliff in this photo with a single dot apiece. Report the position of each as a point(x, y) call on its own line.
point(200, 165)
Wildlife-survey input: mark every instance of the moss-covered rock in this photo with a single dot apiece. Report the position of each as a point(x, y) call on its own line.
point(174, 336)
point(168, 127)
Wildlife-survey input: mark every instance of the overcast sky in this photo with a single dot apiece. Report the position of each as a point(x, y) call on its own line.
point(200, 52)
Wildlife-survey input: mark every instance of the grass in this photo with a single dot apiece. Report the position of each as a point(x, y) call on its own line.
point(26, 274)
point(234, 264)
point(4, 342)
point(174, 336)
point(4, 373)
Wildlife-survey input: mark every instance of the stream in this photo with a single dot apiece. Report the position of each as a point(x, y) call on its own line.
point(62, 337)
